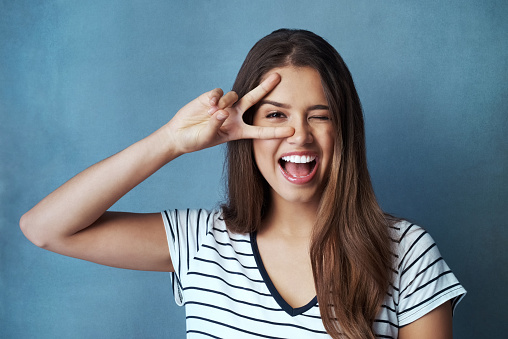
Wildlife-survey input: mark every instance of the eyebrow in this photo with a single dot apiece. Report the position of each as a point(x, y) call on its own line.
point(286, 106)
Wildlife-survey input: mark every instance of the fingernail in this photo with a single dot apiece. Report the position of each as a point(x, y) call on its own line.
point(221, 116)
point(272, 77)
point(212, 110)
point(213, 101)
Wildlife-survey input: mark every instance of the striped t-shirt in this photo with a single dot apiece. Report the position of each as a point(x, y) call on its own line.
point(220, 278)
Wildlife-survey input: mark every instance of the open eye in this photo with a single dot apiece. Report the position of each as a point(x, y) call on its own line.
point(275, 115)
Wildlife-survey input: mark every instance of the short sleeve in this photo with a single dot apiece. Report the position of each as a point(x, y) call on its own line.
point(424, 279)
point(185, 231)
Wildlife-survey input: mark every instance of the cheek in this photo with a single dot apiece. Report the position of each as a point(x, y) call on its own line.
point(264, 151)
point(327, 143)
point(257, 150)
point(330, 144)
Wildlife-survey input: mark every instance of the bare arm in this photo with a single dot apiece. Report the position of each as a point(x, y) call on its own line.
point(436, 324)
point(73, 220)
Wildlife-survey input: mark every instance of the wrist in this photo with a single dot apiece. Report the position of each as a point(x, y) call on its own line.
point(166, 144)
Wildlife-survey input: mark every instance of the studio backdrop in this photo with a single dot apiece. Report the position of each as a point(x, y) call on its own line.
point(81, 80)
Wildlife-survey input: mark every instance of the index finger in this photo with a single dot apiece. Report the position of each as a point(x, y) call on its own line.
point(251, 98)
point(258, 132)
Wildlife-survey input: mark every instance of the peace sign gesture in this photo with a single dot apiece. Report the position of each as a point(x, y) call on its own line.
point(214, 118)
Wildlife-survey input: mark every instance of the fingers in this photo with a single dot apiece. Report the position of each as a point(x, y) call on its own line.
point(228, 100)
point(219, 101)
point(258, 132)
point(209, 134)
point(214, 96)
point(251, 98)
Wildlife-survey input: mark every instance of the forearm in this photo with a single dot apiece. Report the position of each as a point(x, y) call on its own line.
point(83, 199)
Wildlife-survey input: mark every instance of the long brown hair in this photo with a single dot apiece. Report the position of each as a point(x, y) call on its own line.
point(350, 250)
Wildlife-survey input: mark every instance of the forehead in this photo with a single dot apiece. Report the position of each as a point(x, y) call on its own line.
point(298, 85)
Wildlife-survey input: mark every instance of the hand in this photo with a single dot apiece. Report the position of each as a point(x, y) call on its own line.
point(214, 118)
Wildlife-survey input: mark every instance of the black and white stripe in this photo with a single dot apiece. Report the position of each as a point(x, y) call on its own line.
point(220, 279)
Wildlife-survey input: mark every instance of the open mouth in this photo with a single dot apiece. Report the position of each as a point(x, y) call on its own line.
point(298, 168)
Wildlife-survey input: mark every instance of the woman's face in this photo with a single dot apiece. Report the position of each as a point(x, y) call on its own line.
point(297, 167)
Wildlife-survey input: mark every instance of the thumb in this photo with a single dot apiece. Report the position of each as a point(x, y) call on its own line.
point(217, 119)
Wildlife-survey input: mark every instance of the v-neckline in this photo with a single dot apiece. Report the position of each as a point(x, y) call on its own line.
point(271, 287)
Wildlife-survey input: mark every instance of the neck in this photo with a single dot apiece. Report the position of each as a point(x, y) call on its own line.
point(289, 219)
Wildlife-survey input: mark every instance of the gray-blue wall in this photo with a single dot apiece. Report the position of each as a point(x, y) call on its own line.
point(80, 80)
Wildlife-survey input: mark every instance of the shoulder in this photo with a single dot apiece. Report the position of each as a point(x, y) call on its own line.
point(191, 217)
point(423, 280)
point(409, 237)
point(191, 225)
point(414, 248)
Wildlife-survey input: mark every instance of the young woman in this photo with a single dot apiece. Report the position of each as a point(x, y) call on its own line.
point(301, 249)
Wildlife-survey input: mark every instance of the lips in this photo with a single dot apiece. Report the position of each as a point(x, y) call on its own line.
point(297, 167)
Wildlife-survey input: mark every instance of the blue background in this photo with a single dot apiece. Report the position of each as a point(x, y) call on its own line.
point(81, 80)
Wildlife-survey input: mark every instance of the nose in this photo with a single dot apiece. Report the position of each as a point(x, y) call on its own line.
point(303, 133)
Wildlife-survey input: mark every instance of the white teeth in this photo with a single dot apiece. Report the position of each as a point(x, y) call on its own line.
point(297, 159)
